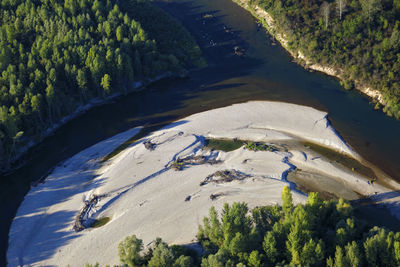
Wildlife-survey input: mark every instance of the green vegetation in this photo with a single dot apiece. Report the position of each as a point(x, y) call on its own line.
point(359, 37)
point(159, 255)
point(318, 233)
point(257, 146)
point(315, 234)
point(57, 55)
point(226, 145)
point(178, 165)
point(100, 222)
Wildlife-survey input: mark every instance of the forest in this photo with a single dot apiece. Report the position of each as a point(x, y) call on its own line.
point(317, 233)
point(359, 37)
point(59, 55)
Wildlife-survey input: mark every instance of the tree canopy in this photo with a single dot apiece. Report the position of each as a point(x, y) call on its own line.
point(362, 39)
point(57, 55)
point(317, 233)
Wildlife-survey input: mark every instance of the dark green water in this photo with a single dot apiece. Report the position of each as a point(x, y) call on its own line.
point(264, 73)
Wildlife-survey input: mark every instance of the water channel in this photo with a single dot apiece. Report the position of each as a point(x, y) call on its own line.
point(264, 72)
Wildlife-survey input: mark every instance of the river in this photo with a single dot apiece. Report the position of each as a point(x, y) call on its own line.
point(264, 72)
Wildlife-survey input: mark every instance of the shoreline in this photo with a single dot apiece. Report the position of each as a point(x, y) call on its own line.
point(269, 24)
point(139, 86)
point(171, 203)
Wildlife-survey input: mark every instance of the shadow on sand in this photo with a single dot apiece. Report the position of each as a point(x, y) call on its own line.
point(384, 214)
point(37, 231)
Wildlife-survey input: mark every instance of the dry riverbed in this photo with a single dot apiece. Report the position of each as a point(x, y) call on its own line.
point(164, 184)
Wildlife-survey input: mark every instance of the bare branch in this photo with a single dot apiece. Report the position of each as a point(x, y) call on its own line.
point(340, 7)
point(325, 13)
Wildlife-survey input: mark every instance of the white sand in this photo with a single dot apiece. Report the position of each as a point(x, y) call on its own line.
point(147, 198)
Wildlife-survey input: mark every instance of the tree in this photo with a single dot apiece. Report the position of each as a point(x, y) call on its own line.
point(396, 4)
point(215, 260)
point(62, 50)
point(287, 200)
point(51, 100)
point(379, 248)
point(395, 38)
point(183, 261)
point(212, 230)
point(71, 5)
point(270, 247)
point(353, 254)
point(162, 256)
point(236, 227)
point(370, 8)
point(312, 253)
point(255, 259)
point(97, 6)
point(294, 243)
point(53, 76)
point(340, 7)
point(106, 83)
point(15, 138)
point(314, 202)
point(325, 13)
point(119, 33)
point(396, 248)
point(128, 251)
point(36, 104)
point(107, 28)
point(340, 258)
point(344, 208)
point(82, 83)
point(301, 238)
point(10, 31)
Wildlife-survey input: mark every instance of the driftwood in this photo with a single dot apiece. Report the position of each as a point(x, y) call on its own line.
point(149, 145)
point(216, 196)
point(225, 176)
point(179, 164)
point(79, 224)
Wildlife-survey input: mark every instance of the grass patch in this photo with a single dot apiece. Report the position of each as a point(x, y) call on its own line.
point(100, 222)
point(257, 146)
point(342, 159)
point(225, 145)
point(178, 165)
point(228, 145)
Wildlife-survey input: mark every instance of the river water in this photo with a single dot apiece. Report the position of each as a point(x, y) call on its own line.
point(264, 72)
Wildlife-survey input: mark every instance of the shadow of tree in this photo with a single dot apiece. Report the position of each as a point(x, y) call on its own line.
point(44, 221)
point(381, 209)
point(52, 231)
point(377, 198)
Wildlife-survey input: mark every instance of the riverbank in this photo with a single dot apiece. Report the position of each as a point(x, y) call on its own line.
point(164, 184)
point(81, 80)
point(228, 80)
point(269, 23)
point(138, 86)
